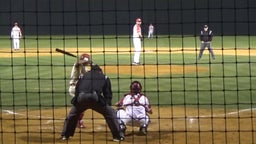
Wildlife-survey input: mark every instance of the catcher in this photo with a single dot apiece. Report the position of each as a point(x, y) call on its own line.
point(79, 69)
point(133, 109)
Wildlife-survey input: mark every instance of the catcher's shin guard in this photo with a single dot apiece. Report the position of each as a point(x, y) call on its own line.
point(122, 128)
point(143, 129)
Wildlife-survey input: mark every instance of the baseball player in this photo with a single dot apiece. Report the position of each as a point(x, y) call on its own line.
point(137, 38)
point(78, 70)
point(150, 31)
point(16, 35)
point(93, 91)
point(206, 38)
point(133, 109)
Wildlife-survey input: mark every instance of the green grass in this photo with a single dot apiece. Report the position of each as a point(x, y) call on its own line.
point(42, 82)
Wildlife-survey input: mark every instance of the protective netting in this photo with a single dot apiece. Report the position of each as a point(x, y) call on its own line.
point(196, 98)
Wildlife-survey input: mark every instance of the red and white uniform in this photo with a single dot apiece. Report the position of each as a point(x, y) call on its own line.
point(137, 35)
point(16, 35)
point(134, 109)
point(150, 31)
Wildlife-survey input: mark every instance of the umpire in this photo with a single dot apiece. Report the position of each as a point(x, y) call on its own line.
point(206, 38)
point(93, 91)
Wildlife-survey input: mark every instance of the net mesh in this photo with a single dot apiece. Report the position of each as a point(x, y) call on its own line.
point(195, 98)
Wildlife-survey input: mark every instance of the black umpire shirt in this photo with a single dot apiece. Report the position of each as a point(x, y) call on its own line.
point(206, 36)
point(95, 81)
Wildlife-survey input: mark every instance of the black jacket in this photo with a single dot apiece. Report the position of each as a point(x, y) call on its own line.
point(95, 80)
point(206, 36)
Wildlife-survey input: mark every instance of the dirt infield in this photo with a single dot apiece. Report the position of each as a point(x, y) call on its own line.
point(8, 53)
point(169, 125)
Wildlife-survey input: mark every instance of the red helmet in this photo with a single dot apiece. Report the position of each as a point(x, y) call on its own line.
point(138, 20)
point(135, 87)
point(85, 57)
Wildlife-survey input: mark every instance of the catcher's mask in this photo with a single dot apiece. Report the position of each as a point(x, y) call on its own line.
point(135, 87)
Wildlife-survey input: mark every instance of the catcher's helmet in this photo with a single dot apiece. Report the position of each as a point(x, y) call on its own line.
point(135, 87)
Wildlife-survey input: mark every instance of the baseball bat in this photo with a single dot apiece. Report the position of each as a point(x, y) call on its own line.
point(69, 54)
point(65, 52)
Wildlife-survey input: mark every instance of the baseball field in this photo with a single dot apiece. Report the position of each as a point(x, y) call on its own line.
point(194, 101)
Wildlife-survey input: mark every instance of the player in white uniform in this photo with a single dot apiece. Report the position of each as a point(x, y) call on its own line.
point(133, 109)
point(150, 31)
point(78, 70)
point(16, 35)
point(137, 37)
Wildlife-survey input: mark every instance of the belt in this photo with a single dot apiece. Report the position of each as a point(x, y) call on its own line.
point(94, 92)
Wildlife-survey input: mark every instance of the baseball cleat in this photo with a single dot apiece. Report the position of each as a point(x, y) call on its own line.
point(118, 139)
point(64, 138)
point(136, 63)
point(143, 130)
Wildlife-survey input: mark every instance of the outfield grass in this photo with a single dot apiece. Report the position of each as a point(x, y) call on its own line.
point(42, 82)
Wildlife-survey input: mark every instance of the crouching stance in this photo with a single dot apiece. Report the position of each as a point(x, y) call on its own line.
point(93, 91)
point(133, 109)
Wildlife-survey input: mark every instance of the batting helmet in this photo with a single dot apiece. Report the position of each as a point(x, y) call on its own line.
point(135, 87)
point(85, 58)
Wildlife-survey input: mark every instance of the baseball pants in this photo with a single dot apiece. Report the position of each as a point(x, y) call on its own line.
point(16, 43)
point(132, 119)
point(202, 48)
point(90, 101)
point(137, 49)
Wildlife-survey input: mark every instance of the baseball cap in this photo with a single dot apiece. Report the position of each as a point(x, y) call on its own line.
point(138, 20)
point(205, 26)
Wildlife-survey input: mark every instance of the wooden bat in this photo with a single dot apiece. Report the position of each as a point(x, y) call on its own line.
point(69, 54)
point(65, 52)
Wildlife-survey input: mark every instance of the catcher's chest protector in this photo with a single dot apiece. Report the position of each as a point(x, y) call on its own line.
point(136, 100)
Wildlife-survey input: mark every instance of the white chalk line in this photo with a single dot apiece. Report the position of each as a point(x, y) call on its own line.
point(191, 119)
point(15, 113)
point(201, 116)
point(225, 114)
point(52, 120)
